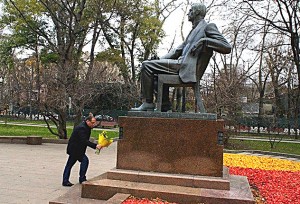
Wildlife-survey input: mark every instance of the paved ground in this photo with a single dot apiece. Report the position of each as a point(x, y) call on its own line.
point(33, 173)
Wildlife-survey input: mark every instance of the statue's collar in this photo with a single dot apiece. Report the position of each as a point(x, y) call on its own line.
point(197, 22)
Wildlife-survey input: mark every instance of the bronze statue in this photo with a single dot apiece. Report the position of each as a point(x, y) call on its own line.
point(184, 58)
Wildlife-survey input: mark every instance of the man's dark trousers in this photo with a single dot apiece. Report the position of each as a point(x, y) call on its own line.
point(83, 168)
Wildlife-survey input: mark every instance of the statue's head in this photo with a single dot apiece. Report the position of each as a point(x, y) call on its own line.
point(197, 9)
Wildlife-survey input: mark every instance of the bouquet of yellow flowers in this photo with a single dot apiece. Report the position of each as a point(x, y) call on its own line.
point(103, 140)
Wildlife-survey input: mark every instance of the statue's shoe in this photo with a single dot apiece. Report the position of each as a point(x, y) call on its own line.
point(144, 107)
point(166, 106)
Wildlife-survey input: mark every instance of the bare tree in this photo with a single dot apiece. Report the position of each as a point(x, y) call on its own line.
point(284, 17)
point(136, 29)
point(263, 75)
point(278, 61)
point(230, 72)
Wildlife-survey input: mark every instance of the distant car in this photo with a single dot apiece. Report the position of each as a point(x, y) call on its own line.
point(104, 118)
point(106, 121)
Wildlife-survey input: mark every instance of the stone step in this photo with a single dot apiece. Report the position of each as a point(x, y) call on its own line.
point(171, 179)
point(73, 196)
point(117, 198)
point(105, 188)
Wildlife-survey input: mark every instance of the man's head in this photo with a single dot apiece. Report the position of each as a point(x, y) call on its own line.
point(91, 121)
point(197, 10)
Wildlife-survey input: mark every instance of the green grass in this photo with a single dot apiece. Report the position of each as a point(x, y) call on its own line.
point(16, 130)
point(282, 147)
point(27, 121)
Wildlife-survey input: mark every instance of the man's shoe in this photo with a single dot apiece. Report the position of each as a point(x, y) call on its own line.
point(144, 107)
point(68, 184)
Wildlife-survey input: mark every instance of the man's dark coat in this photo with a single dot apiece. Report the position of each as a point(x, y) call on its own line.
point(79, 141)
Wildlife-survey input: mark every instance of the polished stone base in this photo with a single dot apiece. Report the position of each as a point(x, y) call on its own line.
point(171, 145)
point(178, 159)
point(172, 179)
point(158, 114)
point(171, 187)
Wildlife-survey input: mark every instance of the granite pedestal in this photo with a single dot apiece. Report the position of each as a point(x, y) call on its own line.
point(176, 157)
point(171, 145)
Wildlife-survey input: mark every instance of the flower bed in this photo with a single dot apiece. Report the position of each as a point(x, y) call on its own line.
point(274, 181)
point(257, 162)
point(277, 180)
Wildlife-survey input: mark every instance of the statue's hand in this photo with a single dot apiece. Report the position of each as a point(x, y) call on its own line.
point(193, 50)
point(196, 47)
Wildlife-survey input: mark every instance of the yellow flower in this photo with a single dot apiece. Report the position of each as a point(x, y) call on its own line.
point(103, 140)
point(260, 162)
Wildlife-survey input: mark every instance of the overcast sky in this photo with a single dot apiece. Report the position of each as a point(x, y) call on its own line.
point(173, 23)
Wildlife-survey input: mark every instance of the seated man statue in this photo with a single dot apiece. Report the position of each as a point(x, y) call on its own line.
point(183, 60)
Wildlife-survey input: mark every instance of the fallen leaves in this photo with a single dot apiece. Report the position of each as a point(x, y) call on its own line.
point(134, 200)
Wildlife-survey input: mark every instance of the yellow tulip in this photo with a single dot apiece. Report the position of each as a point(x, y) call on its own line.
point(260, 162)
point(103, 141)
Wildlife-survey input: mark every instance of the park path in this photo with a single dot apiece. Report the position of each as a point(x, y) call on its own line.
point(33, 173)
point(265, 139)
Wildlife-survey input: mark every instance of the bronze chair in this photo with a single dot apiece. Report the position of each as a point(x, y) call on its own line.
point(175, 81)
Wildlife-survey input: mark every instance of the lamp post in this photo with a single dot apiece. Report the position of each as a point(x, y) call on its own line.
point(1, 95)
point(70, 106)
point(1, 84)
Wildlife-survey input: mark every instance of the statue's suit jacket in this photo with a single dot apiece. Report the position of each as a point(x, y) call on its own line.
point(212, 40)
